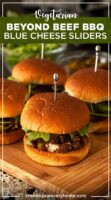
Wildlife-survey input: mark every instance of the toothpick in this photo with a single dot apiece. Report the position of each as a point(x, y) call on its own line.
point(42, 51)
point(55, 78)
point(97, 49)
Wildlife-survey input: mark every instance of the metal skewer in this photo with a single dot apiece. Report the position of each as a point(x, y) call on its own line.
point(97, 49)
point(55, 78)
point(42, 51)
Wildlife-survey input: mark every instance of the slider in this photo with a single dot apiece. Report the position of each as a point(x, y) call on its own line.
point(37, 75)
point(92, 87)
point(12, 98)
point(56, 129)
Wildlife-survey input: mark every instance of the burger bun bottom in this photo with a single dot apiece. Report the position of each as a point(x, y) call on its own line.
point(57, 159)
point(12, 136)
point(99, 126)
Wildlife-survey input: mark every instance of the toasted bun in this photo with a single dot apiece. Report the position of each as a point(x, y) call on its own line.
point(43, 114)
point(38, 71)
point(99, 126)
point(11, 137)
point(13, 95)
point(88, 85)
point(57, 159)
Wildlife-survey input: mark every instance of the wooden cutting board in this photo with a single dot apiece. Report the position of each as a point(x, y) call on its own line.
point(89, 176)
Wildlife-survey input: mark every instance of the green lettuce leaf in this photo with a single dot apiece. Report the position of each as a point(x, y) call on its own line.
point(99, 114)
point(71, 135)
point(103, 107)
point(32, 135)
point(7, 123)
point(99, 109)
point(83, 131)
point(11, 78)
point(28, 142)
point(29, 89)
point(40, 145)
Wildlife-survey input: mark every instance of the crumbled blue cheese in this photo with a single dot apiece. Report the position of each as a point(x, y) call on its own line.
point(52, 147)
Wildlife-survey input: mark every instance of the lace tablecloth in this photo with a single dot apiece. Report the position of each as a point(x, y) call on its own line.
point(14, 187)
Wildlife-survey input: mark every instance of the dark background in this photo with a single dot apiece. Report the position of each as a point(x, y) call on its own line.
point(95, 10)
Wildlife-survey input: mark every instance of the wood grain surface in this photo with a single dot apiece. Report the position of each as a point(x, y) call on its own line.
point(89, 176)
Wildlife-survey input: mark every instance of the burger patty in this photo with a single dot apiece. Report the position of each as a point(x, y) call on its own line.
point(60, 143)
point(9, 124)
point(97, 118)
point(98, 111)
point(44, 88)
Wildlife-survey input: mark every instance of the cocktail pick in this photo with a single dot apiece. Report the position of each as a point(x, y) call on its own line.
point(97, 49)
point(42, 51)
point(55, 78)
